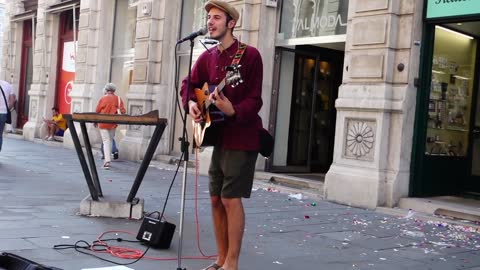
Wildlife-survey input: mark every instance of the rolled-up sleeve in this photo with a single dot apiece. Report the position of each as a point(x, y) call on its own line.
point(197, 73)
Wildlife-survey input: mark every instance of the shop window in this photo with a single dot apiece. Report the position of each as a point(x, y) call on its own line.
point(123, 47)
point(193, 19)
point(68, 27)
point(450, 102)
point(30, 5)
point(313, 18)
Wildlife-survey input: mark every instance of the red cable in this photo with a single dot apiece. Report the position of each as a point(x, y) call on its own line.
point(196, 207)
point(116, 251)
point(131, 253)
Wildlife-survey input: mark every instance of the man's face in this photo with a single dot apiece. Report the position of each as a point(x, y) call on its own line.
point(217, 24)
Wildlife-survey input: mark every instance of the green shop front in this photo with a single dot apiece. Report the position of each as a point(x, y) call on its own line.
point(446, 155)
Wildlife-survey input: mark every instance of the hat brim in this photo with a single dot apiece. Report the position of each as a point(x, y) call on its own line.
point(224, 6)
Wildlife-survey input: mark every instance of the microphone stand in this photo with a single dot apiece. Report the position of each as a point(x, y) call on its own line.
point(184, 148)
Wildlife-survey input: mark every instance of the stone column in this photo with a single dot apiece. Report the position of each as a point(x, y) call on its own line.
point(153, 68)
point(376, 104)
point(257, 21)
point(11, 34)
point(42, 89)
point(92, 60)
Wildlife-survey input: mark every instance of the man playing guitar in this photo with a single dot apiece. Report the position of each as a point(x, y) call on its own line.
point(236, 147)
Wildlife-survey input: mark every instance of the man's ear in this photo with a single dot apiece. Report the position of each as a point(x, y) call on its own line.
point(232, 23)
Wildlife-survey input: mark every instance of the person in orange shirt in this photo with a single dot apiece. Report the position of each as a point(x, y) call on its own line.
point(109, 104)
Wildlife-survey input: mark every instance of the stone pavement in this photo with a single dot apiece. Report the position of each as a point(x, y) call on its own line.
point(41, 186)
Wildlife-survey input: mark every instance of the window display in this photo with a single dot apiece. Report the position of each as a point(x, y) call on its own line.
point(450, 104)
point(123, 48)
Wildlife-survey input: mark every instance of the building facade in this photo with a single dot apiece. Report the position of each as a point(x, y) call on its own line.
point(348, 88)
point(2, 19)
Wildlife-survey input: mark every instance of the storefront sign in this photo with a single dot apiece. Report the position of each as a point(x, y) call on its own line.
point(315, 24)
point(67, 76)
point(313, 18)
point(448, 8)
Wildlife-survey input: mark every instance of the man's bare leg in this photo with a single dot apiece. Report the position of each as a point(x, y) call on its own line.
point(220, 228)
point(236, 227)
point(51, 130)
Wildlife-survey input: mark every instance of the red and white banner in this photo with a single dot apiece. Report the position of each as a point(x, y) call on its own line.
point(67, 77)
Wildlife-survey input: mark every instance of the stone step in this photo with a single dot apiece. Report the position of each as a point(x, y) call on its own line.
point(447, 206)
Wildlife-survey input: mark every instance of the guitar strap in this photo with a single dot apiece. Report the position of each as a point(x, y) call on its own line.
point(241, 49)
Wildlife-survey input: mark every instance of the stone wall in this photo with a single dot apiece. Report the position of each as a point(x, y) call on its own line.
point(376, 104)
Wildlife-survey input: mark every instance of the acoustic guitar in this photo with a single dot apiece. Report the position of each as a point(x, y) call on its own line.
point(205, 132)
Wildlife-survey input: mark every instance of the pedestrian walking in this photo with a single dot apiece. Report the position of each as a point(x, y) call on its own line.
point(7, 100)
point(109, 104)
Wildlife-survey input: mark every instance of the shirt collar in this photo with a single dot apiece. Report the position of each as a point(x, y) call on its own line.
point(230, 50)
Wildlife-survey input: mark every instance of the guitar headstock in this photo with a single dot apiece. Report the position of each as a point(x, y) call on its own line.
point(233, 78)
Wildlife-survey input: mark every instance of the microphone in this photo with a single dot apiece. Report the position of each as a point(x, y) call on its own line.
point(193, 35)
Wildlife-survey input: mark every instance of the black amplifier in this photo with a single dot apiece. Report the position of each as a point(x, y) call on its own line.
point(156, 233)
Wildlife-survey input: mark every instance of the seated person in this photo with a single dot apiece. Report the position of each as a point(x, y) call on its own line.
point(56, 126)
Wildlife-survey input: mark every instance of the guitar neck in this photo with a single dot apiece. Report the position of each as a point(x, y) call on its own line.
point(220, 86)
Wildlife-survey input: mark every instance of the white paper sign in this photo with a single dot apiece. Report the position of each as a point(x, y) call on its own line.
point(120, 267)
point(271, 3)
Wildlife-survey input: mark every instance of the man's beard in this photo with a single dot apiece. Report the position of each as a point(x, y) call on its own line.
point(220, 36)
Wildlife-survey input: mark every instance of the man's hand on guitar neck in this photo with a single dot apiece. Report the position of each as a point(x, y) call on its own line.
point(194, 111)
point(222, 103)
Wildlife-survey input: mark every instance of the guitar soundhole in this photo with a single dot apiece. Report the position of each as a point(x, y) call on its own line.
point(206, 93)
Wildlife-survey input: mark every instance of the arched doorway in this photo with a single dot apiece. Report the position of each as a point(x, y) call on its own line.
point(26, 73)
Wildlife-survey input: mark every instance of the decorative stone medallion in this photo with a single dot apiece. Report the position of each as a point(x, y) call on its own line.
point(360, 139)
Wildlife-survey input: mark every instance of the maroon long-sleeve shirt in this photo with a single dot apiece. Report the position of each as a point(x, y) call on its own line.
point(240, 132)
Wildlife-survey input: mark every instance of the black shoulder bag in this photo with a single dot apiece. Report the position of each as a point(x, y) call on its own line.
point(9, 114)
point(266, 143)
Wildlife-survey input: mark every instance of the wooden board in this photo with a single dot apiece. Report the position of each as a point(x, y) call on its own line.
point(150, 118)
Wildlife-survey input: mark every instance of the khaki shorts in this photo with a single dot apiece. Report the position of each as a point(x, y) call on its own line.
point(231, 173)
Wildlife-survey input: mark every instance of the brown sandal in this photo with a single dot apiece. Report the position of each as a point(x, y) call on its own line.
point(214, 266)
point(106, 165)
